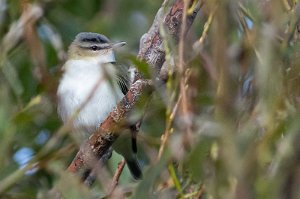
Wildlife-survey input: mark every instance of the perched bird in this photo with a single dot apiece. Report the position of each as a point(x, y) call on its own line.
point(93, 84)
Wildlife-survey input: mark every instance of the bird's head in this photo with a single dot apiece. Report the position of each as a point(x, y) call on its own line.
point(93, 45)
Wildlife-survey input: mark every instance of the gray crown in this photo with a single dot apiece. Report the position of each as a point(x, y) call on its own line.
point(90, 37)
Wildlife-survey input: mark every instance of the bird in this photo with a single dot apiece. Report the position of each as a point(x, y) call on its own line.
point(93, 83)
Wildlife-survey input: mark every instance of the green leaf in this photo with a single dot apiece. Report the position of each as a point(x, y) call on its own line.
point(12, 77)
point(142, 67)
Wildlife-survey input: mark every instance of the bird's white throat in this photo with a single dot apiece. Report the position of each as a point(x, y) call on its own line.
point(107, 57)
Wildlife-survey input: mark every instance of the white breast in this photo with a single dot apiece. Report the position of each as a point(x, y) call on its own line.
point(84, 78)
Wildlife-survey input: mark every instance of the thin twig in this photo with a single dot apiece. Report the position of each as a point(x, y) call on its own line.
point(168, 130)
point(117, 175)
point(201, 192)
point(175, 179)
point(181, 68)
point(286, 5)
point(246, 12)
point(206, 27)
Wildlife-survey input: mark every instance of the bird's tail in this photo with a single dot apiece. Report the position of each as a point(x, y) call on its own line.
point(134, 168)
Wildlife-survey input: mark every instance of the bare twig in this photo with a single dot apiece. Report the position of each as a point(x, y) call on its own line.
point(206, 27)
point(36, 49)
point(168, 130)
point(201, 192)
point(184, 105)
point(117, 175)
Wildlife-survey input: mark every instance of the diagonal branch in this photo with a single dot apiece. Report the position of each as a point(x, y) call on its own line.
point(152, 52)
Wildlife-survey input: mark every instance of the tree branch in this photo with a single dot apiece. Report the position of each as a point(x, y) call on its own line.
point(152, 52)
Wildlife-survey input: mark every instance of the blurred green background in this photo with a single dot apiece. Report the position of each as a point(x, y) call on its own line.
point(234, 135)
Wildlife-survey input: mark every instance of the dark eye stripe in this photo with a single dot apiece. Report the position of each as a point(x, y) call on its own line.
point(96, 47)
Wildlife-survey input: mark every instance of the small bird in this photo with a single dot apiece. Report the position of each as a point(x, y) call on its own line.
point(94, 83)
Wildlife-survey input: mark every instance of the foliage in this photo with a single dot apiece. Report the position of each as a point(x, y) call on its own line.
point(225, 124)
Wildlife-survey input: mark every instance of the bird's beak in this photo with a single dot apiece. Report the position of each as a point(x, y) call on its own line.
point(118, 44)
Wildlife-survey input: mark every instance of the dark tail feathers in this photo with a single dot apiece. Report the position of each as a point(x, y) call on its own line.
point(135, 169)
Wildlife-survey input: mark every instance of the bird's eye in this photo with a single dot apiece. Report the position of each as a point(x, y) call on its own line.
point(94, 48)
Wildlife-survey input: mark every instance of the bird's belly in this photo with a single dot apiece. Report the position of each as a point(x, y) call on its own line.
point(94, 104)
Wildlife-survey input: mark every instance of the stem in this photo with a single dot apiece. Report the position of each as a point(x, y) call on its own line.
point(175, 179)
